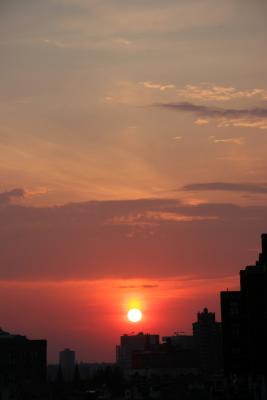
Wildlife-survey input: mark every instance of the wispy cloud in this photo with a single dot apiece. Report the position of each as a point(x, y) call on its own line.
point(123, 41)
point(243, 123)
point(135, 220)
point(247, 117)
point(231, 140)
point(150, 219)
point(206, 111)
point(38, 191)
point(207, 91)
point(7, 197)
point(201, 121)
point(53, 43)
point(176, 217)
point(159, 86)
point(227, 186)
point(145, 286)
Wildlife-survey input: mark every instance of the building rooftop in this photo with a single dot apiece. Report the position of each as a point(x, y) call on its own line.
point(7, 335)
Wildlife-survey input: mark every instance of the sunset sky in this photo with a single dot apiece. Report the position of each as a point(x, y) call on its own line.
point(133, 138)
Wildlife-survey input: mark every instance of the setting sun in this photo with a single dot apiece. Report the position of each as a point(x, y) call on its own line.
point(134, 315)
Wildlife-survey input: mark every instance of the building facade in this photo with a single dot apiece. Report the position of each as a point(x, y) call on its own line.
point(21, 359)
point(244, 325)
point(133, 343)
point(67, 363)
point(208, 341)
point(179, 341)
point(233, 356)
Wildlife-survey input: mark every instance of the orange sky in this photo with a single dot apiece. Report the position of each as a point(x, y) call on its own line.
point(133, 140)
point(89, 316)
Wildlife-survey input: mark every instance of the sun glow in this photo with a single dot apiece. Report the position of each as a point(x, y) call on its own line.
point(134, 315)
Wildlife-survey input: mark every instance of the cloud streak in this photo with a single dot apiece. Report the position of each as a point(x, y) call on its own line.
point(215, 112)
point(141, 238)
point(145, 286)
point(208, 91)
point(227, 186)
point(160, 86)
point(7, 197)
point(233, 140)
point(255, 117)
point(218, 92)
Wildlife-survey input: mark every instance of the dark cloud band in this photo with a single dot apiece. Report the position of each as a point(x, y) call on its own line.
point(167, 238)
point(6, 197)
point(214, 112)
point(227, 186)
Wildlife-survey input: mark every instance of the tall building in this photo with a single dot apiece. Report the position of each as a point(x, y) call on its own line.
point(234, 359)
point(67, 363)
point(253, 284)
point(207, 338)
point(244, 320)
point(21, 359)
point(132, 343)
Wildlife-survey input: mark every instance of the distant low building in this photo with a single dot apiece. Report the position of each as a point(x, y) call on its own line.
point(67, 364)
point(208, 341)
point(166, 360)
point(21, 359)
point(143, 353)
point(132, 343)
point(180, 341)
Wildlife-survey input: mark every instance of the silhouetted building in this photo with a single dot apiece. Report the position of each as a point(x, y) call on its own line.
point(178, 341)
point(244, 323)
point(176, 355)
point(67, 363)
point(244, 320)
point(166, 361)
point(132, 343)
point(21, 359)
point(253, 282)
point(208, 341)
point(143, 353)
point(233, 357)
